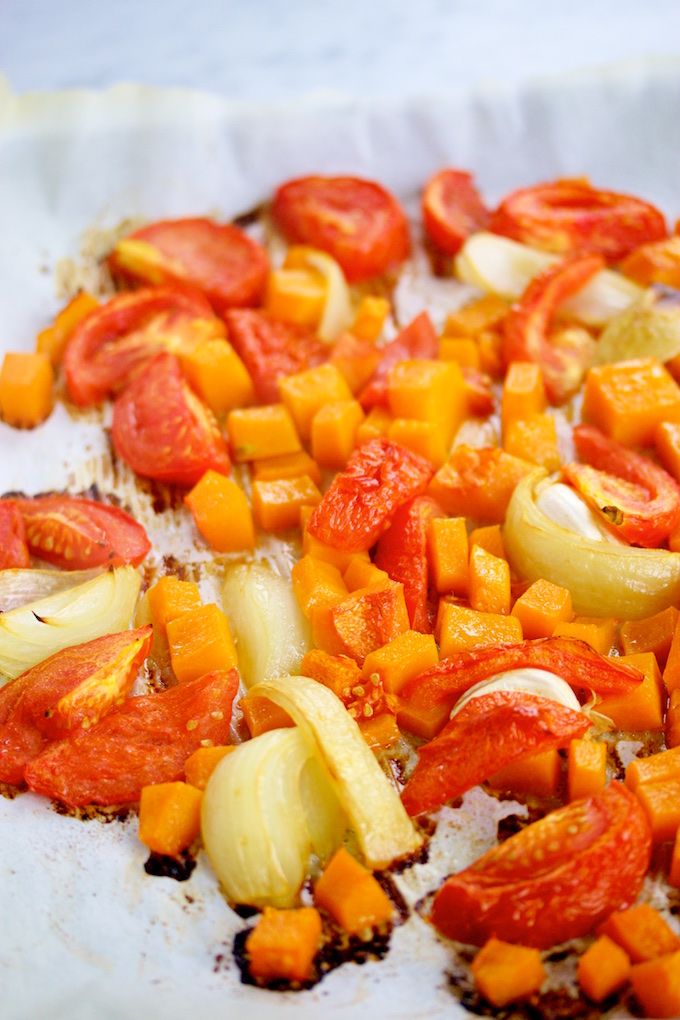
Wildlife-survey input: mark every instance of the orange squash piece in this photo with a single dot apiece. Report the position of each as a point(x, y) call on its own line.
point(671, 673)
point(654, 768)
point(628, 399)
point(448, 554)
point(361, 573)
point(661, 803)
point(351, 895)
point(673, 720)
point(169, 597)
point(656, 984)
point(428, 390)
point(380, 731)
point(598, 632)
point(52, 341)
point(523, 393)
point(26, 389)
point(643, 708)
point(316, 583)
point(653, 634)
point(488, 582)
point(536, 774)
point(485, 313)
point(221, 512)
point(586, 768)
point(365, 620)
point(655, 262)
point(642, 932)
point(283, 944)
point(200, 641)
point(603, 969)
point(425, 438)
point(534, 438)
point(296, 295)
point(667, 443)
point(277, 504)
point(200, 765)
point(258, 432)
point(261, 715)
point(338, 672)
point(541, 607)
point(462, 349)
point(334, 431)
point(461, 627)
point(424, 721)
point(169, 817)
point(355, 359)
point(674, 870)
point(286, 465)
point(489, 537)
point(505, 973)
point(398, 661)
point(305, 393)
point(478, 483)
point(376, 423)
point(218, 375)
point(370, 317)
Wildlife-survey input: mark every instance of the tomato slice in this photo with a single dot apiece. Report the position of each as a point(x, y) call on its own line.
point(570, 215)
point(491, 731)
point(356, 221)
point(634, 495)
point(271, 349)
point(146, 741)
point(75, 534)
point(379, 478)
point(13, 546)
point(68, 692)
point(219, 259)
point(402, 552)
point(525, 328)
point(417, 340)
point(163, 430)
point(555, 880)
point(111, 343)
point(452, 209)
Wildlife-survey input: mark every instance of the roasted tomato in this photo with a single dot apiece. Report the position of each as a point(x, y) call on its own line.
point(570, 215)
point(146, 741)
point(379, 478)
point(68, 692)
point(356, 221)
point(556, 879)
point(417, 340)
point(634, 495)
point(76, 534)
point(491, 731)
point(111, 343)
point(219, 259)
point(452, 209)
point(13, 546)
point(271, 348)
point(163, 431)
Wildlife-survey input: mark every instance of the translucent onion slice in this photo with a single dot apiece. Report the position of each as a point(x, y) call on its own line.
point(271, 631)
point(372, 805)
point(19, 586)
point(33, 632)
point(604, 578)
point(505, 267)
point(565, 507)
point(528, 680)
point(266, 808)
point(337, 312)
point(649, 328)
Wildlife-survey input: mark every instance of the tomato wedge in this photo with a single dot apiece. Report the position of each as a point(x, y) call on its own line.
point(417, 340)
point(219, 259)
point(68, 692)
point(271, 349)
point(111, 343)
point(379, 478)
point(634, 495)
point(163, 431)
point(146, 741)
point(570, 215)
point(452, 209)
point(525, 328)
point(491, 731)
point(75, 534)
point(555, 880)
point(13, 546)
point(356, 221)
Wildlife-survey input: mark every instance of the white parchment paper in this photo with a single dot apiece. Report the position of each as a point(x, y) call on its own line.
point(84, 932)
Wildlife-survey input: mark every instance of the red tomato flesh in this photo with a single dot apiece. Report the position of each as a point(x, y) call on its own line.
point(13, 546)
point(452, 209)
point(356, 221)
point(555, 880)
point(417, 340)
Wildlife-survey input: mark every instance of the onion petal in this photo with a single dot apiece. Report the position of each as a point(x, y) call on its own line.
point(540, 682)
point(19, 585)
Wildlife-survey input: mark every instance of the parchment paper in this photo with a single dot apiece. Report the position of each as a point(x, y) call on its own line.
point(84, 932)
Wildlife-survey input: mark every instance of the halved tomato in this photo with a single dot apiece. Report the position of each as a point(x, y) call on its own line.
point(452, 209)
point(219, 259)
point(113, 341)
point(357, 221)
point(554, 880)
point(163, 430)
point(76, 534)
point(13, 546)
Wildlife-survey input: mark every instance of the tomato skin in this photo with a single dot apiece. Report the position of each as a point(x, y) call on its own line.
point(163, 431)
point(13, 546)
point(402, 552)
point(491, 731)
point(525, 328)
point(635, 496)
point(110, 344)
point(355, 220)
point(555, 880)
point(75, 534)
point(417, 340)
point(379, 478)
point(570, 215)
point(218, 259)
point(271, 349)
point(452, 209)
point(70, 691)
point(146, 741)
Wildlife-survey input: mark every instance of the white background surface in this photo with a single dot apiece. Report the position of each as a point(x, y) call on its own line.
point(282, 49)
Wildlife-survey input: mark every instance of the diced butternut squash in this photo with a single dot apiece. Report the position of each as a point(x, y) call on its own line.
point(428, 390)
point(283, 944)
point(488, 582)
point(200, 641)
point(361, 573)
point(673, 720)
point(305, 393)
point(629, 399)
point(425, 438)
point(642, 708)
point(296, 295)
point(448, 554)
point(26, 389)
point(603, 969)
point(52, 341)
point(461, 627)
point(380, 731)
point(420, 720)
point(169, 817)
point(351, 895)
point(277, 504)
point(661, 803)
point(221, 512)
point(482, 314)
point(261, 715)
point(534, 438)
point(316, 583)
point(598, 632)
point(504, 972)
point(654, 768)
point(340, 673)
point(478, 483)
point(536, 774)
point(541, 607)
point(334, 430)
point(365, 620)
point(462, 349)
point(667, 442)
point(257, 432)
point(338, 557)
point(200, 765)
point(287, 465)
point(169, 597)
point(653, 634)
point(355, 359)
point(218, 375)
point(586, 768)
point(674, 871)
point(642, 932)
point(401, 659)
point(523, 393)
point(656, 984)
point(489, 537)
point(671, 673)
point(370, 317)
point(376, 423)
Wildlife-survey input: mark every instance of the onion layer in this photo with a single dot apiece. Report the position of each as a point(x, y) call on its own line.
point(604, 578)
